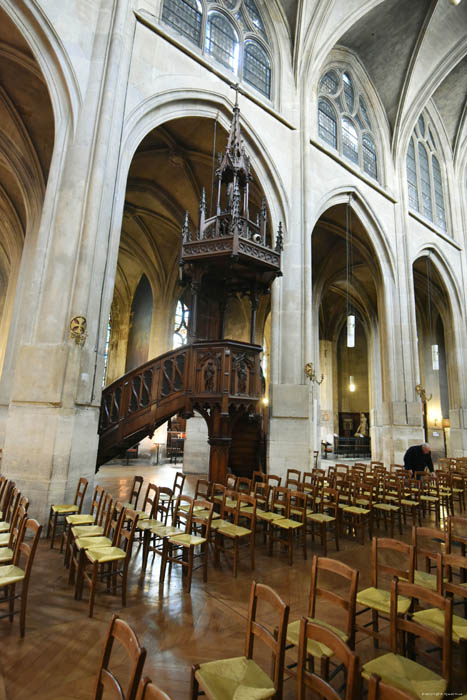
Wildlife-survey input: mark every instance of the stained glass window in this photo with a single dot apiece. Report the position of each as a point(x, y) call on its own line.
point(327, 123)
point(257, 67)
point(412, 177)
point(425, 181)
point(424, 175)
point(344, 120)
point(222, 41)
point(254, 15)
point(184, 16)
point(348, 91)
point(369, 155)
point(349, 140)
point(180, 334)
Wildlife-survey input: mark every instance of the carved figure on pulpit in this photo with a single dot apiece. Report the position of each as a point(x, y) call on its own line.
point(362, 430)
point(242, 377)
point(208, 376)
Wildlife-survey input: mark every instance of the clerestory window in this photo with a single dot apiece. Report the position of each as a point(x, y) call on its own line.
point(232, 32)
point(424, 175)
point(344, 122)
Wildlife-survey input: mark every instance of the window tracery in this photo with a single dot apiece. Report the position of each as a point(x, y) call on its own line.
point(180, 333)
point(424, 176)
point(344, 121)
point(232, 32)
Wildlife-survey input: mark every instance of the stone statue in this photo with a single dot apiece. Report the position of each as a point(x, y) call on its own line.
point(362, 430)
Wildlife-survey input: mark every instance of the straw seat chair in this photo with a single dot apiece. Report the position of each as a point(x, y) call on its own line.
point(108, 563)
point(22, 503)
point(10, 508)
point(159, 531)
point(292, 524)
point(242, 676)
point(137, 485)
point(339, 574)
point(14, 574)
point(107, 684)
point(324, 515)
point(236, 533)
point(184, 548)
point(59, 511)
point(377, 690)
point(425, 540)
point(15, 535)
point(81, 519)
point(377, 599)
point(399, 668)
point(312, 632)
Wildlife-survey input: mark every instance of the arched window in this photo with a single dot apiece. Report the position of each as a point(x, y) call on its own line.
point(235, 36)
point(424, 177)
point(344, 121)
point(257, 67)
point(180, 334)
point(222, 41)
point(184, 16)
point(327, 123)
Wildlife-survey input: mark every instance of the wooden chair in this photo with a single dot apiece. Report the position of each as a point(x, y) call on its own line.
point(101, 534)
point(458, 485)
point(377, 599)
point(81, 519)
point(8, 548)
point(13, 574)
point(106, 682)
point(22, 502)
point(357, 513)
point(312, 632)
point(6, 495)
point(184, 548)
point(146, 516)
point(159, 531)
point(243, 485)
point(377, 690)
point(11, 505)
point(434, 617)
point(59, 511)
point(429, 497)
point(237, 533)
point(164, 505)
point(324, 515)
point(399, 667)
point(245, 673)
point(272, 480)
point(389, 504)
point(109, 563)
point(294, 474)
point(410, 501)
point(203, 489)
point(336, 574)
point(137, 485)
point(169, 496)
point(292, 524)
point(428, 541)
point(457, 533)
point(148, 691)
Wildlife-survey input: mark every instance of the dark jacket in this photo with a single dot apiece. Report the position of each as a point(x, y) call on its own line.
point(417, 460)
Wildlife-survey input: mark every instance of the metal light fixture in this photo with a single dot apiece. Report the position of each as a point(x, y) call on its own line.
point(352, 386)
point(351, 331)
point(455, 2)
point(311, 374)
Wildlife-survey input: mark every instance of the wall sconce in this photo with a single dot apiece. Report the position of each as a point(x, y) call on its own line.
point(311, 374)
point(78, 329)
point(422, 393)
point(265, 401)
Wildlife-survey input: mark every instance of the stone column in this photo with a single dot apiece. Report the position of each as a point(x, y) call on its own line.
point(51, 427)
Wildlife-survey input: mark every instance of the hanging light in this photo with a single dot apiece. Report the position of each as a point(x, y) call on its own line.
point(352, 386)
point(351, 331)
point(434, 347)
point(435, 356)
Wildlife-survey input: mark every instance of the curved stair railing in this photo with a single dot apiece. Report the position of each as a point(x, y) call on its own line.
point(201, 376)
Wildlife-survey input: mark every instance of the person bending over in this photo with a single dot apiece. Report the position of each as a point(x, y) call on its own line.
point(418, 459)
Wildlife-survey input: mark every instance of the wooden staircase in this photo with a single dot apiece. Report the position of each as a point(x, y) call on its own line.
point(216, 378)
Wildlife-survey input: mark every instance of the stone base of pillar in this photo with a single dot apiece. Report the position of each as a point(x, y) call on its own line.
point(196, 450)
point(289, 445)
point(47, 450)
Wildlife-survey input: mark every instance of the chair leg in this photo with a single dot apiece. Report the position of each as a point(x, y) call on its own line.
point(124, 581)
point(252, 550)
point(54, 527)
point(324, 540)
point(290, 545)
point(190, 569)
point(11, 606)
point(165, 552)
point(92, 592)
point(205, 555)
point(49, 524)
point(336, 535)
point(194, 683)
point(22, 616)
point(235, 557)
point(374, 616)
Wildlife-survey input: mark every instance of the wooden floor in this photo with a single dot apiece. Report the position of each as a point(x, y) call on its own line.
point(60, 653)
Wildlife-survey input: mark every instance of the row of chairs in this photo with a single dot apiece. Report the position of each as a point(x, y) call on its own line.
point(19, 537)
point(396, 675)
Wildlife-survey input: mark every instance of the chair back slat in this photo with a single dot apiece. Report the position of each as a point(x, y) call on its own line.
point(106, 680)
point(347, 602)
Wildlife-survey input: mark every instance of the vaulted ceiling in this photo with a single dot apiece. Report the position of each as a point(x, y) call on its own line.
point(413, 50)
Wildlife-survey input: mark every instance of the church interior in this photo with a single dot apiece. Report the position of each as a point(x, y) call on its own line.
point(233, 376)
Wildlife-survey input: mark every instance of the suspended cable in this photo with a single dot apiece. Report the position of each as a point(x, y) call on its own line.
point(213, 162)
point(348, 249)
